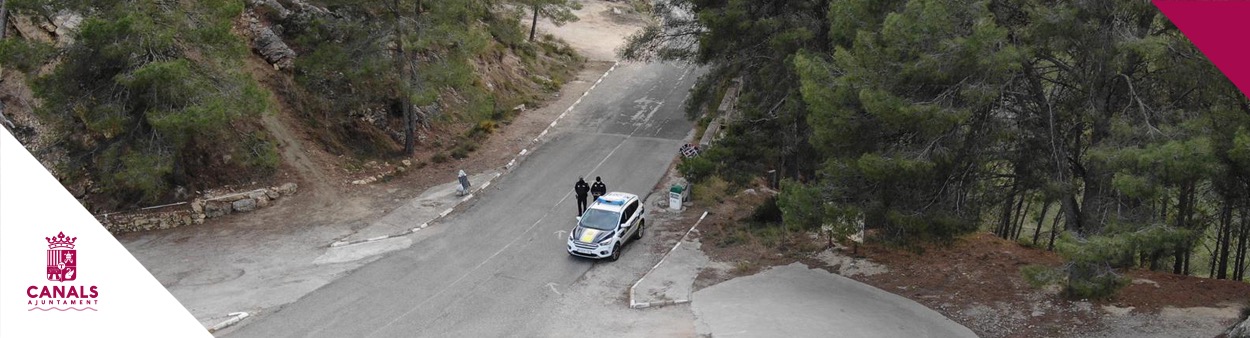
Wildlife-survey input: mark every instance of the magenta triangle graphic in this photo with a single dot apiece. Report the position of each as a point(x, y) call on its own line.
point(1220, 29)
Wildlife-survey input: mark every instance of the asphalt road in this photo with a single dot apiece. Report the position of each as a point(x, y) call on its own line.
point(494, 268)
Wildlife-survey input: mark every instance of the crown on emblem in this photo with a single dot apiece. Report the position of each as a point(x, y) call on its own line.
point(60, 241)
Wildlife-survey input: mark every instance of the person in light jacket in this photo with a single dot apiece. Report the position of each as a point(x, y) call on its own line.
point(464, 183)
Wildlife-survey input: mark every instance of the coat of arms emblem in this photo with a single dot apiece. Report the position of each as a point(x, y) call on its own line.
point(62, 258)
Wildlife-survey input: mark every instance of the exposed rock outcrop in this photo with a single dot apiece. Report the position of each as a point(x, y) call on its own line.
point(264, 25)
point(269, 45)
point(1241, 330)
point(58, 29)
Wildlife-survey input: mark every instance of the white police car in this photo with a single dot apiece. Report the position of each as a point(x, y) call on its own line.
point(607, 224)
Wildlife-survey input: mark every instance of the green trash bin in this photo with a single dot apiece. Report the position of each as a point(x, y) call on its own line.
point(675, 196)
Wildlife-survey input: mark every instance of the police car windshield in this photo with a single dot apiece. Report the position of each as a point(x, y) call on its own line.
point(600, 219)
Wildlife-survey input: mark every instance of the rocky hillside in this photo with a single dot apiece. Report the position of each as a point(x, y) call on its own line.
point(135, 104)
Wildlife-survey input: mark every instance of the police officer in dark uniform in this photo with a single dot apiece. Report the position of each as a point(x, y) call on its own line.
point(581, 188)
point(598, 189)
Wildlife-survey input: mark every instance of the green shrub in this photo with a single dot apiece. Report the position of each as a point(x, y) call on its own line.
point(154, 94)
point(260, 152)
point(1027, 242)
point(506, 29)
point(1093, 281)
point(1090, 270)
point(801, 205)
point(1039, 276)
point(697, 168)
point(24, 55)
point(487, 126)
point(735, 236)
point(460, 153)
point(641, 6)
point(139, 176)
point(744, 267)
point(439, 157)
point(713, 190)
point(771, 236)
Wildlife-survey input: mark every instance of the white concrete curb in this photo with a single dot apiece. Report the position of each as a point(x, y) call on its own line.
point(235, 318)
point(442, 214)
point(643, 305)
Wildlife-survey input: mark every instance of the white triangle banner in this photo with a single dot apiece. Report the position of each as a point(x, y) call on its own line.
point(62, 274)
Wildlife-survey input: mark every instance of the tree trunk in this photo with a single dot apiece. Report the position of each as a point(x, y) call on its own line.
point(1240, 270)
point(534, 23)
point(1020, 213)
point(1040, 220)
point(405, 95)
point(410, 130)
point(1011, 224)
point(1054, 230)
point(1183, 212)
point(1072, 214)
point(1178, 261)
point(1189, 252)
point(1226, 231)
point(1156, 258)
point(1004, 220)
point(1215, 252)
point(4, 18)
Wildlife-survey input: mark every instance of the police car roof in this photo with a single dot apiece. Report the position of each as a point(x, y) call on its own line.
point(613, 201)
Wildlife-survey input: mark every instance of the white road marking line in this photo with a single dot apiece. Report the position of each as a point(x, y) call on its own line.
point(514, 240)
point(501, 250)
point(235, 317)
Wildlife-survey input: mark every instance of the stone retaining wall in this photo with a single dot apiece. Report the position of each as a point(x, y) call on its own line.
point(195, 211)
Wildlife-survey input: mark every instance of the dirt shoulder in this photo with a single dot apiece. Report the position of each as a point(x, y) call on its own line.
point(976, 281)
